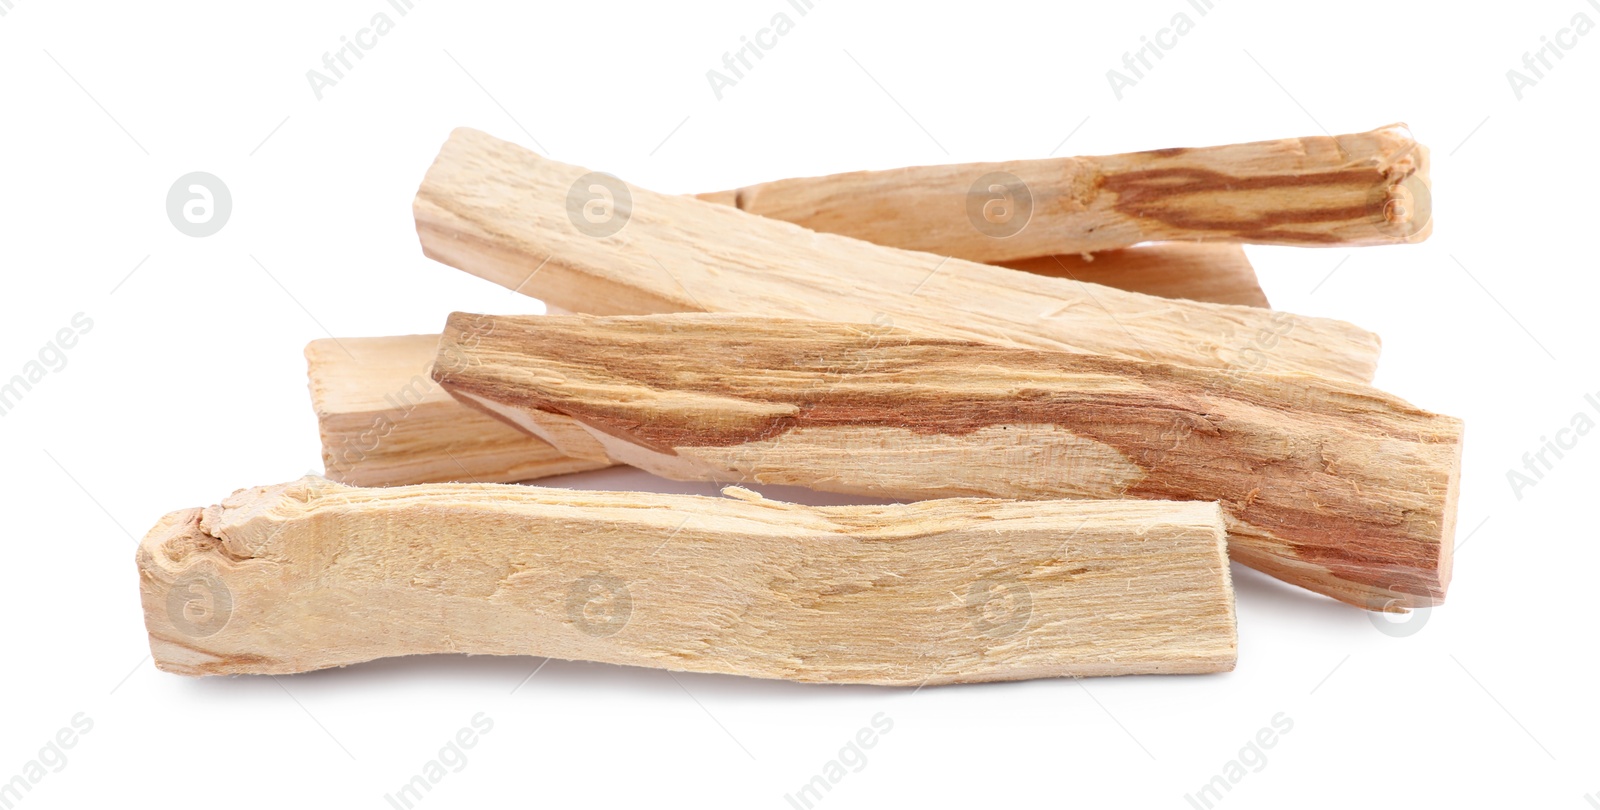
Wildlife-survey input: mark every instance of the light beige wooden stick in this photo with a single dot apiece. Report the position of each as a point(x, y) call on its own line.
point(1369, 188)
point(1215, 272)
point(313, 574)
point(384, 422)
point(1333, 486)
point(589, 243)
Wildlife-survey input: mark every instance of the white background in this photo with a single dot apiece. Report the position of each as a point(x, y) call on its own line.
point(191, 384)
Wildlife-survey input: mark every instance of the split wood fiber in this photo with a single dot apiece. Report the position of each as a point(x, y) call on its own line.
point(586, 242)
point(1368, 188)
point(313, 574)
point(1334, 486)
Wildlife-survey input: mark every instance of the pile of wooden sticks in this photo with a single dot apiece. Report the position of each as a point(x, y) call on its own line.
point(1064, 368)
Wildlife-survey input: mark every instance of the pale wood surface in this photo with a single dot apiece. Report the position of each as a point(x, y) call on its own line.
point(1333, 486)
point(1368, 188)
point(502, 212)
point(446, 441)
point(368, 440)
point(314, 574)
point(1217, 272)
point(383, 421)
point(1214, 272)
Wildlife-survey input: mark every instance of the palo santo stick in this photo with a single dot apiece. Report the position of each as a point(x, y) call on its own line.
point(1218, 273)
point(383, 421)
point(547, 229)
point(1369, 188)
point(313, 574)
point(1333, 486)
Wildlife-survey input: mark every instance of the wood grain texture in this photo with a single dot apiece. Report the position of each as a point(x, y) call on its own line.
point(508, 215)
point(1333, 486)
point(384, 422)
point(372, 437)
point(1368, 188)
point(1214, 272)
point(314, 574)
